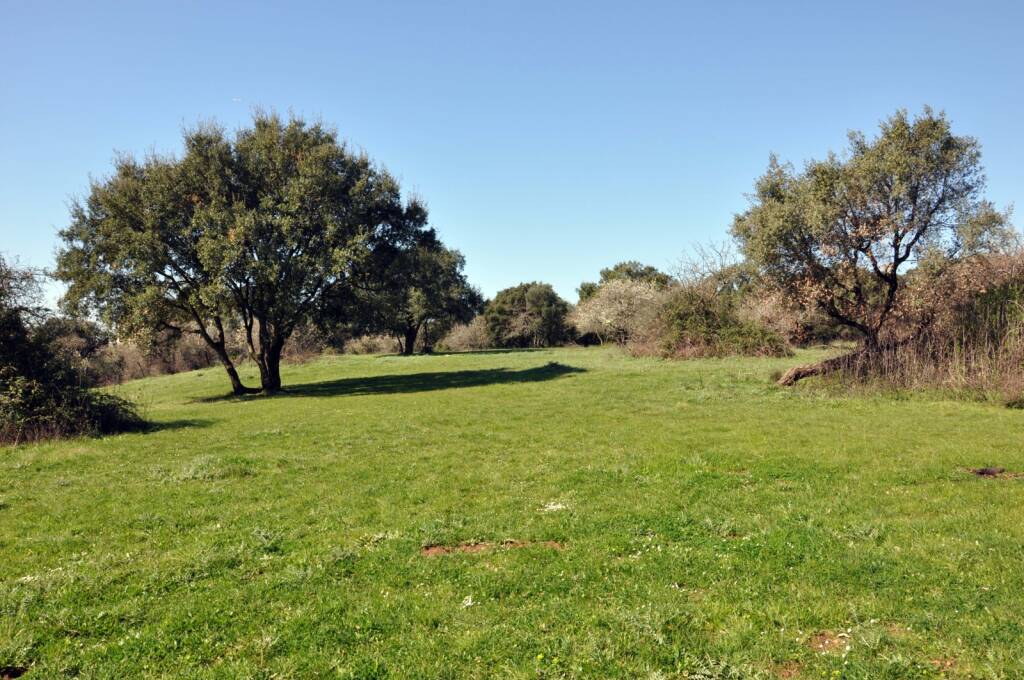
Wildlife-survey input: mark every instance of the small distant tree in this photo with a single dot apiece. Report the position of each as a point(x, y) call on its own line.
point(527, 315)
point(421, 292)
point(630, 270)
point(841, 234)
point(255, 231)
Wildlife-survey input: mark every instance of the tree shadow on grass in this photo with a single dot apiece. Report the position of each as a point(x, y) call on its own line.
point(418, 382)
point(180, 424)
point(471, 352)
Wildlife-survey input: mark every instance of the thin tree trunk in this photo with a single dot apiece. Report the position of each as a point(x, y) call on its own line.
point(219, 347)
point(237, 387)
point(410, 339)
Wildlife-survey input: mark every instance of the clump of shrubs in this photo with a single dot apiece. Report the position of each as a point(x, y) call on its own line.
point(466, 337)
point(373, 344)
point(34, 408)
point(42, 394)
point(700, 315)
point(697, 321)
point(618, 311)
point(799, 326)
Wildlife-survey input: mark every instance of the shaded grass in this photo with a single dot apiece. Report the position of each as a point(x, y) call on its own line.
point(708, 522)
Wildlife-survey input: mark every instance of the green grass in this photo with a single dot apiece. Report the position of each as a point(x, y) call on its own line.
point(709, 521)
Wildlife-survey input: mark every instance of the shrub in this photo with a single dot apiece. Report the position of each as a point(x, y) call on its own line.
point(372, 344)
point(466, 337)
point(33, 409)
point(42, 392)
point(798, 325)
point(307, 342)
point(696, 321)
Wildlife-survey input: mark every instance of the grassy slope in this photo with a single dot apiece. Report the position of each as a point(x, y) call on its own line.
point(709, 516)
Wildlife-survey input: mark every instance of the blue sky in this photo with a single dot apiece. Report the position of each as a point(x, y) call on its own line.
point(548, 139)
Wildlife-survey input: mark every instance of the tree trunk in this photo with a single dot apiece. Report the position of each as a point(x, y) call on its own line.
point(858, 360)
point(270, 366)
point(218, 346)
point(237, 388)
point(825, 367)
point(410, 339)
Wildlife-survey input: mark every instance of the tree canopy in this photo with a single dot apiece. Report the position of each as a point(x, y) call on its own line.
point(527, 315)
point(256, 230)
point(841, 233)
point(416, 291)
point(629, 270)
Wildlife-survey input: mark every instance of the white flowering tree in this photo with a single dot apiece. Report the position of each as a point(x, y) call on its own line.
point(618, 309)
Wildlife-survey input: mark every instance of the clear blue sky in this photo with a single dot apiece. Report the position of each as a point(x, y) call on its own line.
point(549, 139)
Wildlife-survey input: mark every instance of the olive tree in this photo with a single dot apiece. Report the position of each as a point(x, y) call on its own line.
point(254, 230)
point(841, 234)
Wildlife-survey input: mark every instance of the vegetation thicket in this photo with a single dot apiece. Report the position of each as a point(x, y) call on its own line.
point(43, 392)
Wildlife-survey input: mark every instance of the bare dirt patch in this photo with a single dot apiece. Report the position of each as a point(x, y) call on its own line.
point(11, 672)
point(944, 664)
point(790, 669)
point(995, 473)
point(897, 630)
point(827, 642)
point(485, 546)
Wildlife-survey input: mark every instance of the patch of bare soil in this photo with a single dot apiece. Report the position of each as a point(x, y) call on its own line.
point(995, 472)
point(11, 672)
point(435, 550)
point(790, 669)
point(944, 664)
point(827, 642)
point(896, 630)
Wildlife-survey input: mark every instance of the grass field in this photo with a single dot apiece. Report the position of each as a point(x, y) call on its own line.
point(638, 518)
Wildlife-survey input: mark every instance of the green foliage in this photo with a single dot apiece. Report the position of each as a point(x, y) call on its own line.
point(41, 392)
point(696, 321)
point(840, 234)
point(527, 315)
point(416, 294)
point(44, 407)
point(630, 270)
point(258, 231)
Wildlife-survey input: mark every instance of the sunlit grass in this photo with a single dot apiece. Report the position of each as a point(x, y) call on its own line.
point(708, 521)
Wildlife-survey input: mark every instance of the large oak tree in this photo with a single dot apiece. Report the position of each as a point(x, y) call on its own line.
point(253, 231)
